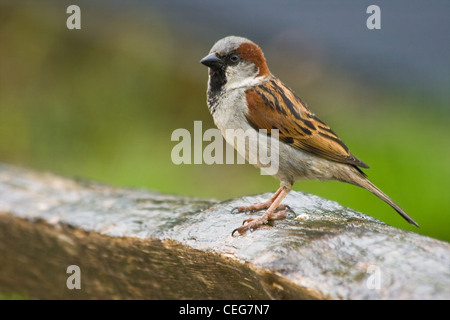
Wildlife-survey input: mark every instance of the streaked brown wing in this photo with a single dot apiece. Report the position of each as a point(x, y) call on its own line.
point(274, 106)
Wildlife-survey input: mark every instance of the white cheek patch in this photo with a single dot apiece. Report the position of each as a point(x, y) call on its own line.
point(242, 75)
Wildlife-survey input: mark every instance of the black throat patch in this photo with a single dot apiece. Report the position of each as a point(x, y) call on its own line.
point(217, 80)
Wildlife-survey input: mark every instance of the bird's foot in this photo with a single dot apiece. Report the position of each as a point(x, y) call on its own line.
point(258, 207)
point(251, 224)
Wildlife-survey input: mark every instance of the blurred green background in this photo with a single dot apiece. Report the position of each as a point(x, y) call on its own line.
point(101, 103)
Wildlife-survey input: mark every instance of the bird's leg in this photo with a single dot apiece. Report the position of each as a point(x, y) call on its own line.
point(270, 214)
point(259, 206)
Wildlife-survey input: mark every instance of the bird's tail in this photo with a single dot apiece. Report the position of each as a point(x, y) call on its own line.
point(365, 183)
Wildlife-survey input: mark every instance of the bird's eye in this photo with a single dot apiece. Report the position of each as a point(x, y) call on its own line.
point(234, 57)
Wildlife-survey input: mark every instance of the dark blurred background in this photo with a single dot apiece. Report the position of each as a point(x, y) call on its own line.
point(101, 103)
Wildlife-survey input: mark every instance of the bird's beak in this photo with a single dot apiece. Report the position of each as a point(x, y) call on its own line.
point(212, 61)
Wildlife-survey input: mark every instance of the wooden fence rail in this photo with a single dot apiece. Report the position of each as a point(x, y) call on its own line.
point(67, 239)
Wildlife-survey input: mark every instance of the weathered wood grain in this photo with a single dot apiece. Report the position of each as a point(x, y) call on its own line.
point(137, 244)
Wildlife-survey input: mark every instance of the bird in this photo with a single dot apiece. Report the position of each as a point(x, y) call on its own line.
point(242, 94)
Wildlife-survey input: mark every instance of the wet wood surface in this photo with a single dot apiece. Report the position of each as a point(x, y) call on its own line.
point(138, 244)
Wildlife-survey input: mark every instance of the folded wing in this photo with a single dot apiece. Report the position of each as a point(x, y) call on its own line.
point(272, 105)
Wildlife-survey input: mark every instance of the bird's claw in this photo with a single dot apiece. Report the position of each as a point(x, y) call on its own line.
point(288, 209)
point(242, 229)
point(249, 224)
point(247, 221)
point(239, 210)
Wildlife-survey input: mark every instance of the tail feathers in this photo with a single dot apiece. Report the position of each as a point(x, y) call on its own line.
point(366, 184)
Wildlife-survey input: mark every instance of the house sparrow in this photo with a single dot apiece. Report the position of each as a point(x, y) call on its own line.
point(243, 94)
